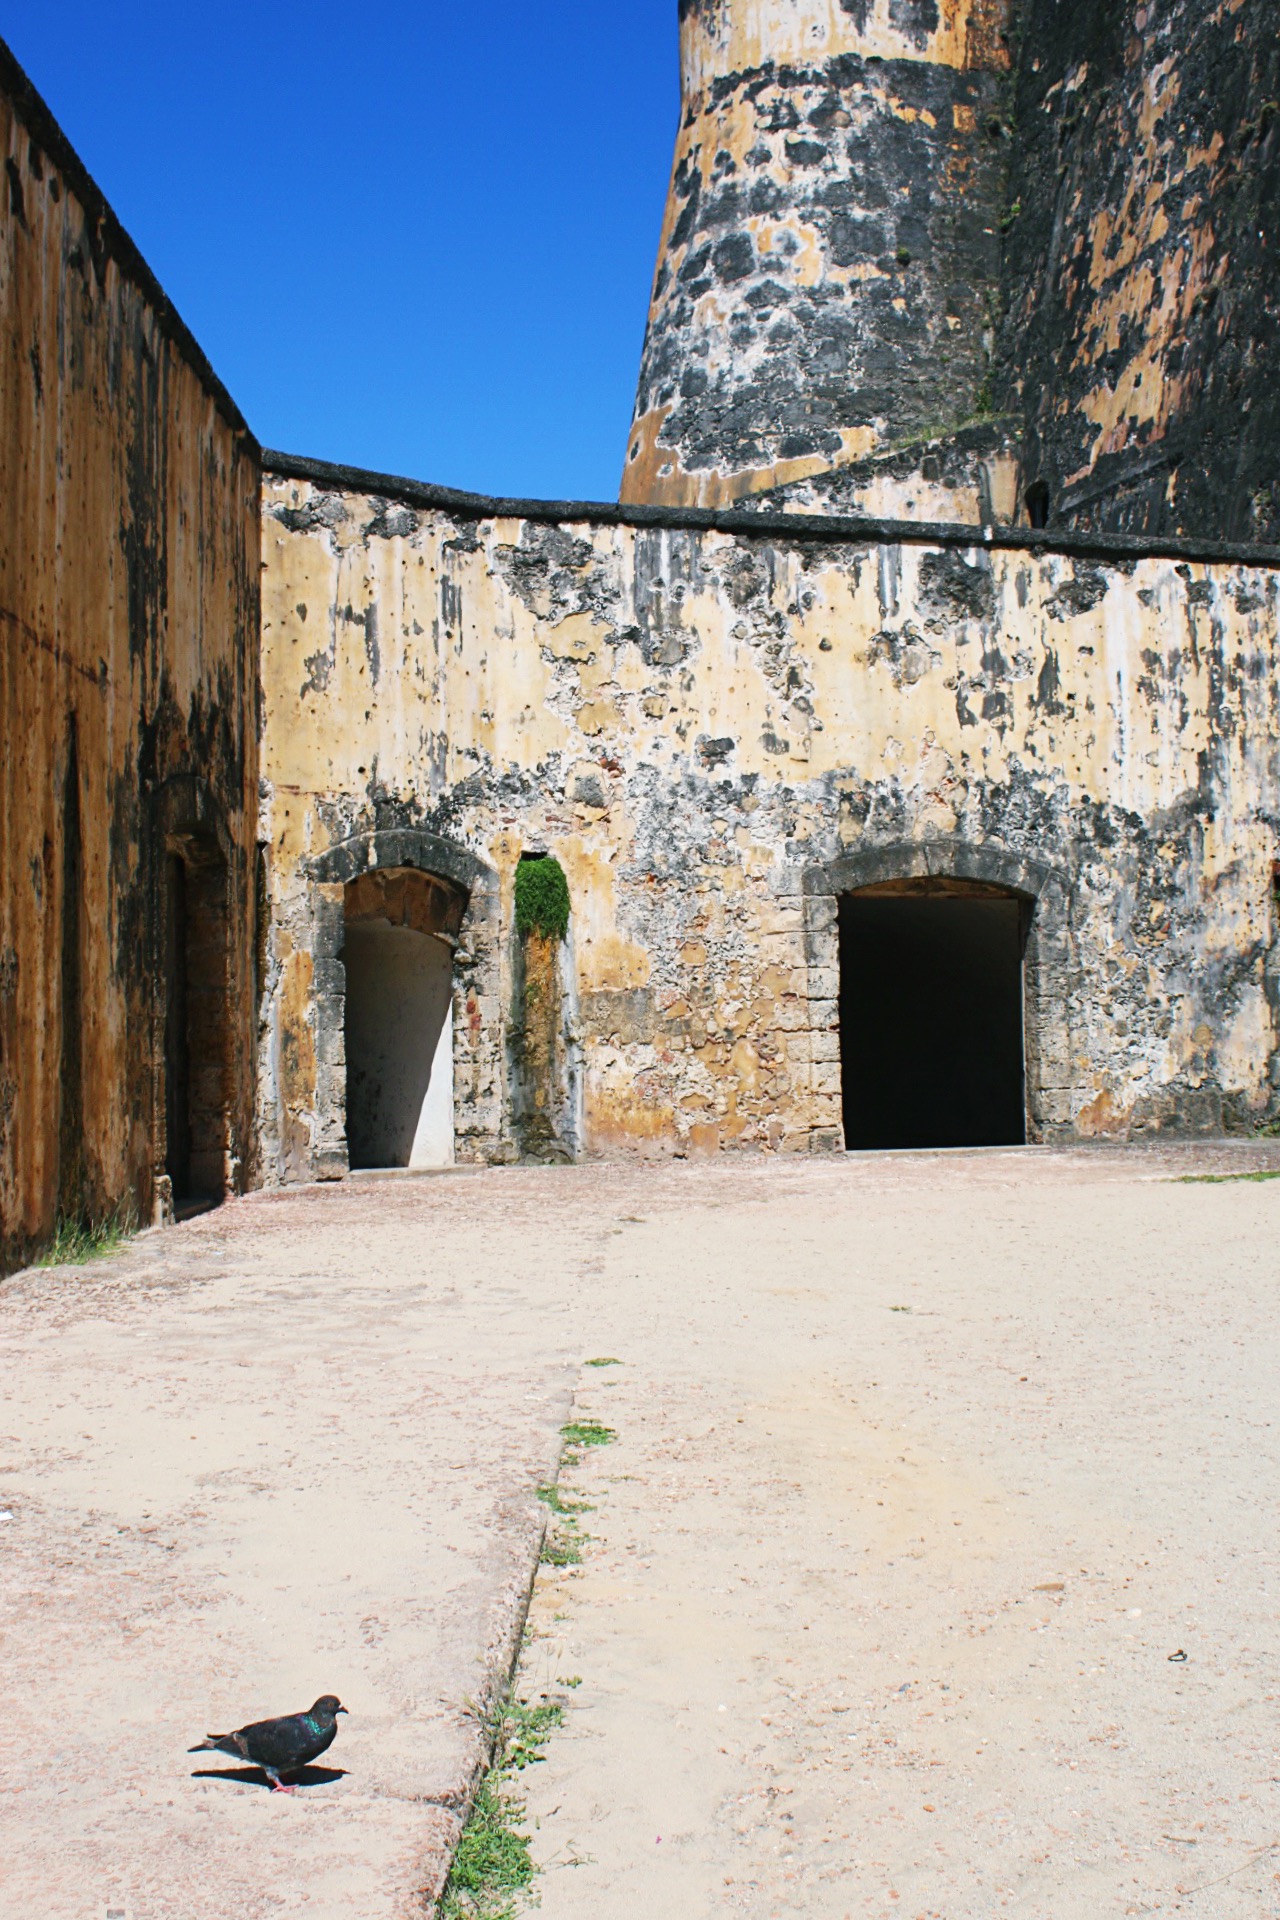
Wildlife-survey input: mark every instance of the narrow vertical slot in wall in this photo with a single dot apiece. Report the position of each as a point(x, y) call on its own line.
point(197, 1025)
point(177, 1077)
point(72, 1199)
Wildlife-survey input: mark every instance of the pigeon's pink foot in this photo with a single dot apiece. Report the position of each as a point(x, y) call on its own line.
point(278, 1786)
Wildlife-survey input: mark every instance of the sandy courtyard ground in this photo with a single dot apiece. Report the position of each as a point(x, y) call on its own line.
point(925, 1466)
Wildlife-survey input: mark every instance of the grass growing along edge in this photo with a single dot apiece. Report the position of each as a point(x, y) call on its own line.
point(563, 1544)
point(493, 1865)
point(1225, 1179)
point(587, 1433)
point(77, 1240)
point(493, 1868)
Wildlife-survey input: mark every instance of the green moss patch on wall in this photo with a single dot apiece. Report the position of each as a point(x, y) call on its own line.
point(542, 898)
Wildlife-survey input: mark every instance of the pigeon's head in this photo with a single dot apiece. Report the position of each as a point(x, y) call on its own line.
point(327, 1705)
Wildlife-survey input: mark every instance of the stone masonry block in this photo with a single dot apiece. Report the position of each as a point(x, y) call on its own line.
point(775, 918)
point(827, 1140)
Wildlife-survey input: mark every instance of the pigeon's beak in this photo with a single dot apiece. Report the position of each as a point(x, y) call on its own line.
point(339, 1709)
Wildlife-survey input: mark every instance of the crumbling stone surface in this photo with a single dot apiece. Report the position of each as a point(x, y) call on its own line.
point(894, 224)
point(830, 260)
point(968, 477)
point(717, 733)
point(1141, 276)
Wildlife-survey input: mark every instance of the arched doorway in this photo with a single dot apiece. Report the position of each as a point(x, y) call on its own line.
point(931, 1014)
point(401, 927)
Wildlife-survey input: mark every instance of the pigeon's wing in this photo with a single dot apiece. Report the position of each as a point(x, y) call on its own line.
point(232, 1744)
point(285, 1744)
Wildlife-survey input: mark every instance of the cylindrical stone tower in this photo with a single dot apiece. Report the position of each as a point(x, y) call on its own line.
point(830, 256)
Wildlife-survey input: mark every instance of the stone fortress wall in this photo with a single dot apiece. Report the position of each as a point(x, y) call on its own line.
point(1002, 260)
point(128, 709)
point(942, 565)
point(828, 277)
point(1141, 277)
point(720, 724)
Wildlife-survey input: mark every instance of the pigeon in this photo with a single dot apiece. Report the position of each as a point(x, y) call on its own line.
point(280, 1746)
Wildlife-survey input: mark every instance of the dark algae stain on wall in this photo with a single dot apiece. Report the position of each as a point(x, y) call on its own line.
point(1141, 339)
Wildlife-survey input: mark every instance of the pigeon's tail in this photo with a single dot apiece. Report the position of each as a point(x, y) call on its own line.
point(218, 1743)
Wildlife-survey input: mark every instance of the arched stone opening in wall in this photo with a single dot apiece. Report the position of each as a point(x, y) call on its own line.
point(941, 972)
point(196, 1166)
point(401, 930)
point(405, 1004)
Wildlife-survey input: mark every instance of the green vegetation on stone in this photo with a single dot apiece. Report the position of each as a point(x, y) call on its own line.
point(542, 898)
point(603, 1363)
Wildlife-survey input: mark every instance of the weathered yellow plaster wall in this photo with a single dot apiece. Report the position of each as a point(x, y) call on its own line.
point(712, 730)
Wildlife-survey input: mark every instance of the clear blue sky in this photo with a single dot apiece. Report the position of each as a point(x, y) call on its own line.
point(417, 238)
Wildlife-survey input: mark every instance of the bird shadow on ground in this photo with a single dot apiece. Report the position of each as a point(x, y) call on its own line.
point(255, 1777)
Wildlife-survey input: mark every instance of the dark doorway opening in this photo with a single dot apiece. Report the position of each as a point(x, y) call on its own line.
point(72, 1198)
point(196, 1026)
point(401, 930)
point(1038, 503)
point(931, 1015)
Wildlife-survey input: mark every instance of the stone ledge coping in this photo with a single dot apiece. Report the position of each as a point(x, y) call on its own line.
point(798, 529)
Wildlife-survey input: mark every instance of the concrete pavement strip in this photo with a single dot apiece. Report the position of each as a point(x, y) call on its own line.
point(921, 1462)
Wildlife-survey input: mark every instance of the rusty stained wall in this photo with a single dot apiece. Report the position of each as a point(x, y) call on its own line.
point(129, 559)
point(1142, 272)
point(709, 730)
point(828, 273)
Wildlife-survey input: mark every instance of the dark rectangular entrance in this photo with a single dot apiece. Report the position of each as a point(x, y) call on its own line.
point(196, 1024)
point(931, 1016)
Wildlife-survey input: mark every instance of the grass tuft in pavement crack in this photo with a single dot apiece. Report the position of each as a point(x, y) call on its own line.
point(587, 1433)
point(561, 1550)
point(552, 1497)
point(579, 1435)
point(564, 1543)
point(493, 1866)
